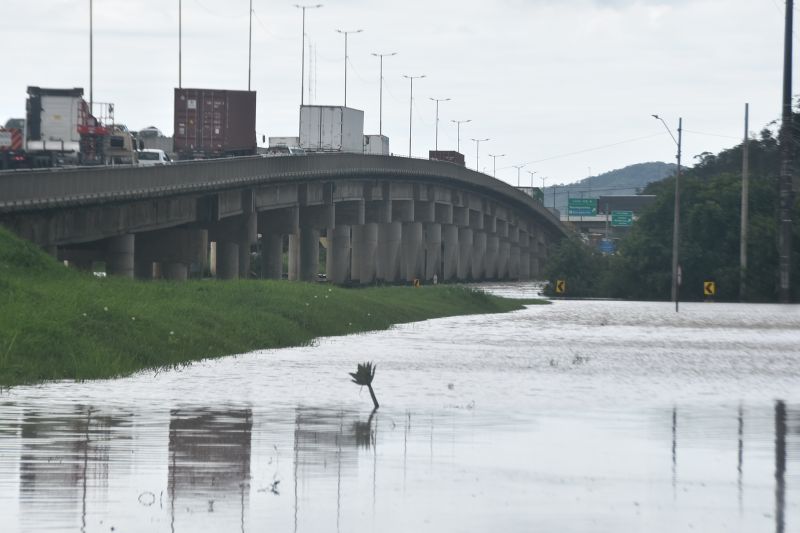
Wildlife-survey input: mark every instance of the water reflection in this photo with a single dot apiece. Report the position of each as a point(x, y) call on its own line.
point(780, 465)
point(209, 463)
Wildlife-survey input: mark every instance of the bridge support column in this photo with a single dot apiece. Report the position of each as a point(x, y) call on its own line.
point(272, 255)
point(175, 271)
point(119, 256)
point(450, 252)
point(465, 254)
point(390, 236)
point(227, 260)
point(143, 269)
point(365, 247)
point(248, 237)
point(309, 254)
point(478, 255)
point(293, 259)
point(411, 247)
point(513, 262)
point(433, 251)
point(491, 256)
point(338, 258)
point(503, 260)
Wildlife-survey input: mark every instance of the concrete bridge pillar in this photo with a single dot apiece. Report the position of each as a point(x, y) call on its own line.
point(272, 255)
point(411, 248)
point(227, 260)
point(450, 252)
point(465, 254)
point(478, 270)
point(365, 247)
point(248, 236)
point(175, 271)
point(513, 262)
point(503, 260)
point(390, 236)
point(338, 257)
point(309, 254)
point(119, 256)
point(293, 256)
point(143, 269)
point(491, 256)
point(524, 265)
point(433, 251)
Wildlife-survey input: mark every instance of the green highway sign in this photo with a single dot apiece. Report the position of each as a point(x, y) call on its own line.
point(622, 218)
point(582, 207)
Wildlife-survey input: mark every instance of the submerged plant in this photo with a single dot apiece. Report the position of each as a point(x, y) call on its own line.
point(363, 376)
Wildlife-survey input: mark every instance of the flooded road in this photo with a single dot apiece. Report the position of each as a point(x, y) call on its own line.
point(578, 416)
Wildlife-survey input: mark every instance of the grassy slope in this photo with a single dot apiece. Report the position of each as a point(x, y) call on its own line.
point(56, 323)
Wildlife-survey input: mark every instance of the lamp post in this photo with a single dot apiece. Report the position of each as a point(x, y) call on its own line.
point(494, 167)
point(303, 48)
point(437, 100)
point(676, 274)
point(380, 112)
point(518, 167)
point(411, 107)
point(91, 56)
point(531, 172)
point(250, 47)
point(346, 33)
point(477, 152)
point(458, 132)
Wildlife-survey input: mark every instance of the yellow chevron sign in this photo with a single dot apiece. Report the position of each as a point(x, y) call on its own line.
point(709, 288)
point(561, 286)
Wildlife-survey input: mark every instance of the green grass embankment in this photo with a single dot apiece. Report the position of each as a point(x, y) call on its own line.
point(57, 323)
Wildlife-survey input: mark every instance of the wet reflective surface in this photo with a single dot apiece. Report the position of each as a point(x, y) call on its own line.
point(578, 416)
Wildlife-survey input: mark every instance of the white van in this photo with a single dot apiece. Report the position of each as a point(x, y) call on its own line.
point(150, 157)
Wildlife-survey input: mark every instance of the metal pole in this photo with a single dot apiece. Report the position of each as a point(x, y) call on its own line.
point(91, 57)
point(494, 157)
point(676, 223)
point(303, 57)
point(250, 47)
point(411, 108)
point(477, 152)
point(518, 167)
point(345, 60)
point(745, 208)
point(380, 105)
point(787, 154)
point(437, 100)
point(458, 132)
point(180, 43)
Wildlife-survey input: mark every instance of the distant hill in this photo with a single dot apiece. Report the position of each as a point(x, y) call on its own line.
point(629, 180)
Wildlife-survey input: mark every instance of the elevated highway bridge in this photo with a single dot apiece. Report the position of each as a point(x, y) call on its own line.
point(378, 218)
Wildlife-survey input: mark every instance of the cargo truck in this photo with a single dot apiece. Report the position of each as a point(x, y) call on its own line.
point(213, 123)
point(451, 156)
point(331, 129)
point(376, 144)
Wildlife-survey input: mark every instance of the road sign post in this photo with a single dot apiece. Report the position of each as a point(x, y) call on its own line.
point(561, 286)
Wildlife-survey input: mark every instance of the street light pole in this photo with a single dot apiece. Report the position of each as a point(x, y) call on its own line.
point(676, 274)
point(411, 107)
point(303, 48)
point(91, 56)
point(458, 132)
point(518, 167)
point(437, 100)
point(380, 112)
point(494, 168)
point(477, 152)
point(250, 47)
point(345, 33)
point(180, 42)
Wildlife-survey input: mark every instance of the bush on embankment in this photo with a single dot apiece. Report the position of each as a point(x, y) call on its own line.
point(57, 323)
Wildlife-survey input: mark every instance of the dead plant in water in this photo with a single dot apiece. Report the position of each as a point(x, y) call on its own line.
point(363, 376)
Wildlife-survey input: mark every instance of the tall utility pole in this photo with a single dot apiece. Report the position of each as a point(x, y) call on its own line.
point(380, 112)
point(180, 42)
point(345, 33)
point(531, 172)
point(437, 100)
point(91, 56)
point(518, 167)
point(787, 152)
point(478, 152)
point(745, 208)
point(458, 132)
point(494, 168)
point(303, 48)
point(250, 47)
point(411, 108)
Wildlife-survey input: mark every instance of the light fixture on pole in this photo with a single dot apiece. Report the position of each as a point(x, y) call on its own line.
point(478, 151)
point(518, 167)
point(411, 107)
point(458, 132)
point(380, 111)
point(494, 167)
point(346, 33)
point(437, 100)
point(303, 48)
point(532, 172)
point(676, 273)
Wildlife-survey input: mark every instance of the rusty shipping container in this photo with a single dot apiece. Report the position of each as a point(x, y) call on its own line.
point(214, 123)
point(451, 156)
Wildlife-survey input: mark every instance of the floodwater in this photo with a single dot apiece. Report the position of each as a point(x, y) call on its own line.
point(578, 416)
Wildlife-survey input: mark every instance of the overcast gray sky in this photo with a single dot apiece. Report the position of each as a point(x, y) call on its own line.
point(560, 85)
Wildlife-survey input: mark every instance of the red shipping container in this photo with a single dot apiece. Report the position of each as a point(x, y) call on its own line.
point(214, 123)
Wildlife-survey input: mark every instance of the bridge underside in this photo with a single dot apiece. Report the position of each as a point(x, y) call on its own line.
point(353, 231)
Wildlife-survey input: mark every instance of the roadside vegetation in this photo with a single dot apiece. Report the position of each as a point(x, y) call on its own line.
point(709, 236)
point(57, 323)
